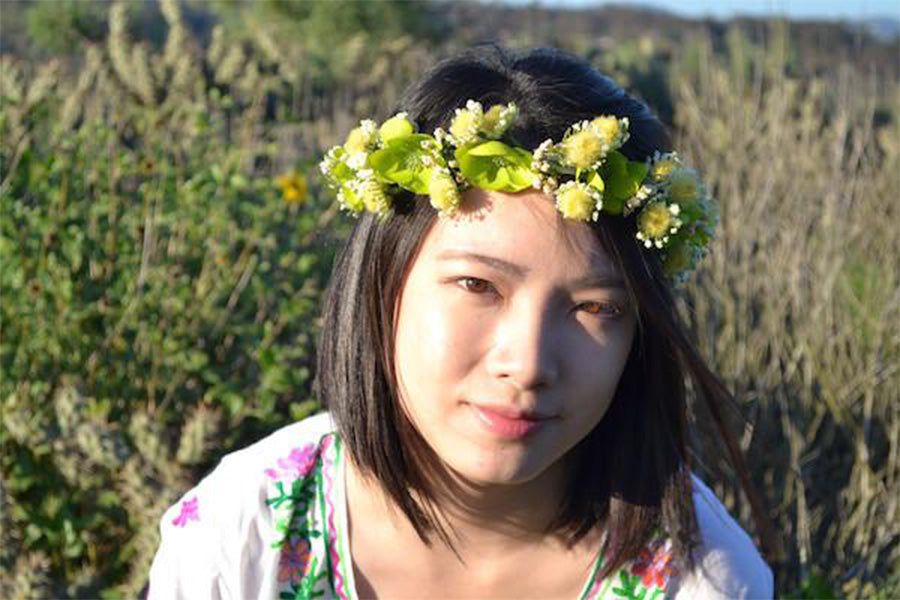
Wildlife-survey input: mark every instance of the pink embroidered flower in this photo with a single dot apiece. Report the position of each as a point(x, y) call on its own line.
point(189, 512)
point(654, 569)
point(294, 559)
point(296, 464)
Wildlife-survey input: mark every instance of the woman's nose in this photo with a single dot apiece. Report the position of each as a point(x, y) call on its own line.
point(524, 350)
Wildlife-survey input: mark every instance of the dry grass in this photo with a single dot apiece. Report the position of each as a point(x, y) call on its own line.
point(798, 306)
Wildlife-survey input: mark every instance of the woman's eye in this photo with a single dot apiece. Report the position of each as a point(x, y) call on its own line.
point(475, 285)
point(600, 308)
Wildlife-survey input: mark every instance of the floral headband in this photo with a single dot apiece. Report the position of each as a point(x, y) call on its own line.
point(585, 174)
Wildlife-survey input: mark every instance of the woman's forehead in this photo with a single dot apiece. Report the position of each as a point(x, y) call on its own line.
point(523, 227)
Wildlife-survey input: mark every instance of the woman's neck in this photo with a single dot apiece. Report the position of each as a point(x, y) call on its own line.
point(491, 519)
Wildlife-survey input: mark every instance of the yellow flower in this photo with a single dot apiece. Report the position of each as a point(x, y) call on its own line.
point(656, 222)
point(395, 127)
point(361, 138)
point(374, 196)
point(443, 192)
point(293, 187)
point(608, 128)
point(684, 186)
point(497, 120)
point(467, 122)
point(583, 149)
point(662, 167)
point(578, 201)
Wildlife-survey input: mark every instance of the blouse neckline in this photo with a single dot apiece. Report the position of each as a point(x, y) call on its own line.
point(345, 584)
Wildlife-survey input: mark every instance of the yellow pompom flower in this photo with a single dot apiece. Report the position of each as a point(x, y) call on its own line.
point(361, 138)
point(395, 127)
point(684, 186)
point(578, 201)
point(497, 120)
point(374, 196)
point(656, 222)
point(608, 128)
point(583, 149)
point(467, 122)
point(443, 191)
point(662, 167)
point(293, 187)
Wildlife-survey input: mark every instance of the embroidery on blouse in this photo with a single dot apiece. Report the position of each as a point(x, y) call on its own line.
point(310, 560)
point(295, 484)
point(654, 568)
point(297, 464)
point(189, 512)
point(645, 578)
point(338, 580)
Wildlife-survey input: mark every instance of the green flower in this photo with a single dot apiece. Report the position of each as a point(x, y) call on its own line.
point(684, 186)
point(396, 127)
point(679, 259)
point(493, 165)
point(348, 199)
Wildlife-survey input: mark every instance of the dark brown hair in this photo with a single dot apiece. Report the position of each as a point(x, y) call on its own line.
point(631, 473)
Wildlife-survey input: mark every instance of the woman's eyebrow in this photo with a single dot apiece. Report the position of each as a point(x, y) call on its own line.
point(599, 280)
point(591, 280)
point(490, 261)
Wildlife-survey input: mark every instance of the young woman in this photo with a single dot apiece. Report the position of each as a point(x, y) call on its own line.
point(502, 364)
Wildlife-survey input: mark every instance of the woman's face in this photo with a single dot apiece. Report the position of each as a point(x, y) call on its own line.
point(512, 331)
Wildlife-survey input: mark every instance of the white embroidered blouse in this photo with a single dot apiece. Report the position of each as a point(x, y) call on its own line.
point(271, 522)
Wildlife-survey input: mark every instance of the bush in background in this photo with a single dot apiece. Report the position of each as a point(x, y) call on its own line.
point(160, 296)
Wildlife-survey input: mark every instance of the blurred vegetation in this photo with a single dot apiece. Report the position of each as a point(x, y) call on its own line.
point(165, 241)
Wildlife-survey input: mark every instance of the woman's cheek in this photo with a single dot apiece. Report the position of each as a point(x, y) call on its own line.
point(457, 337)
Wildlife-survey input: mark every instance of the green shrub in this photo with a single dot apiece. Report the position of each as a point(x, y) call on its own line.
point(160, 302)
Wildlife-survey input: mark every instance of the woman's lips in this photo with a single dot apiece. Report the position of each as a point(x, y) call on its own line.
point(509, 422)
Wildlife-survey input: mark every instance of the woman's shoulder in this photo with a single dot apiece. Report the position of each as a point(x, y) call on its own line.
point(207, 532)
point(727, 563)
point(241, 480)
point(300, 434)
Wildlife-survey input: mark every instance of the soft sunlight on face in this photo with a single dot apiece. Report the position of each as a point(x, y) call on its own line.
point(512, 335)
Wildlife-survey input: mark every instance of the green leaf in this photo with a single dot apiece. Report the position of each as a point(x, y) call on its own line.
point(692, 212)
point(401, 161)
point(395, 128)
point(492, 148)
point(623, 179)
point(341, 172)
point(637, 170)
point(596, 182)
point(353, 201)
point(495, 166)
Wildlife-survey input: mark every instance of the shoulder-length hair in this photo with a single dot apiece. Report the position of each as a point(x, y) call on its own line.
point(631, 474)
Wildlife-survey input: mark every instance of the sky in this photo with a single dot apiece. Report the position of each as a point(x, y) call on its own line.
point(850, 10)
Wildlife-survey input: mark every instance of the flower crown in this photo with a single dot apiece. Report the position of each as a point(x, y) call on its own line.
point(585, 173)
